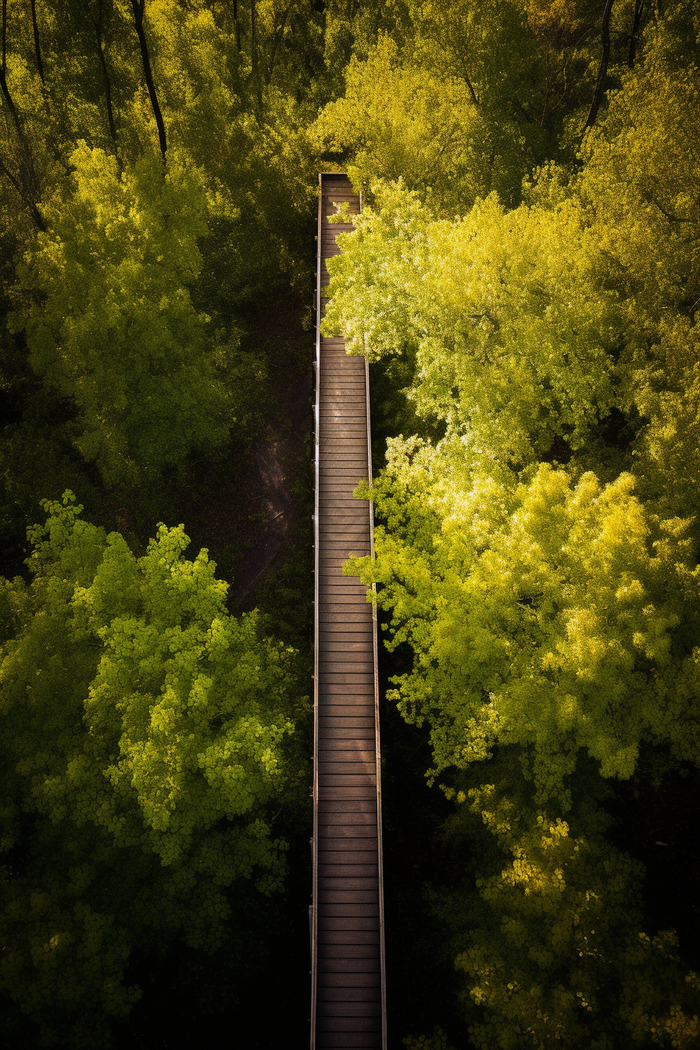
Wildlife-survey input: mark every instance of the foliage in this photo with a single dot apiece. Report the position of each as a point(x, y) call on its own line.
point(553, 615)
point(113, 326)
point(537, 552)
point(551, 944)
point(142, 739)
point(495, 302)
point(399, 121)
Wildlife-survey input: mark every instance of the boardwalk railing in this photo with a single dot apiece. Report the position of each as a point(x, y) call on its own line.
point(348, 1003)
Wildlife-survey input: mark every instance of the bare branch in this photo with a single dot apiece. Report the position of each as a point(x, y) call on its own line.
point(138, 7)
point(603, 68)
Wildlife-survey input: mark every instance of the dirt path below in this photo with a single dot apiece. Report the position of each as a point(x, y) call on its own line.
point(272, 471)
point(246, 514)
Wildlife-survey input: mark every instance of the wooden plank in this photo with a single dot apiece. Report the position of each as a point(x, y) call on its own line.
point(339, 694)
point(349, 995)
point(350, 755)
point(346, 807)
point(344, 857)
point(334, 827)
point(342, 631)
point(334, 564)
point(347, 729)
point(345, 821)
point(341, 1040)
point(328, 676)
point(351, 513)
point(348, 590)
point(349, 912)
point(353, 532)
point(357, 838)
point(356, 923)
point(337, 405)
point(351, 883)
point(330, 791)
point(346, 465)
point(355, 664)
point(350, 871)
point(364, 708)
point(353, 765)
point(358, 898)
point(335, 1008)
point(352, 1029)
point(366, 964)
point(347, 437)
point(364, 733)
point(348, 781)
point(347, 770)
point(368, 1023)
point(346, 618)
point(345, 642)
point(335, 979)
point(348, 952)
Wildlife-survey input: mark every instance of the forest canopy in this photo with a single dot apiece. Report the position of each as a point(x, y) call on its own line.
point(524, 279)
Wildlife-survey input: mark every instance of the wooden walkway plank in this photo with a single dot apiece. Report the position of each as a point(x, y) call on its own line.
point(348, 1005)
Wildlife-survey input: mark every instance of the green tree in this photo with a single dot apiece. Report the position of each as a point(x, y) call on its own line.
point(495, 303)
point(143, 733)
point(398, 120)
point(113, 326)
point(556, 616)
point(551, 941)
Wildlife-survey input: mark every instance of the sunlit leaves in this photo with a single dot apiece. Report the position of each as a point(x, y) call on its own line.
point(513, 337)
point(143, 731)
point(399, 121)
point(115, 328)
point(543, 615)
point(554, 952)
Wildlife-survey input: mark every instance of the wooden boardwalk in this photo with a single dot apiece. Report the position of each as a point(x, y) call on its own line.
point(348, 1007)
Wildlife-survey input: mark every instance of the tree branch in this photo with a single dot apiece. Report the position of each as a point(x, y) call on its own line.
point(105, 72)
point(278, 36)
point(37, 47)
point(9, 102)
point(237, 25)
point(603, 68)
point(26, 185)
point(23, 196)
point(138, 7)
point(634, 37)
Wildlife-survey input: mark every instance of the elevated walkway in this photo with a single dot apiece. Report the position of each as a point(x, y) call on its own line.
point(348, 1007)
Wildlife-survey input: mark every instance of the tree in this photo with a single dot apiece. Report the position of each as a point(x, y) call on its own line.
point(513, 337)
point(143, 734)
point(560, 332)
point(551, 943)
point(554, 616)
point(112, 324)
point(397, 120)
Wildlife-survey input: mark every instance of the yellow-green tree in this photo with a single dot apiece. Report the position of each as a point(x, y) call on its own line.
point(143, 731)
point(112, 325)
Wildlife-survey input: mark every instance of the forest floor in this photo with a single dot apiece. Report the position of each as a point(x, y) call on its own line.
point(244, 513)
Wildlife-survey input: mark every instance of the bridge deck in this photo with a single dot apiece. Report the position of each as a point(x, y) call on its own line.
point(347, 933)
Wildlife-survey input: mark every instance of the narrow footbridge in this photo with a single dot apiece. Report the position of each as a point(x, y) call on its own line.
point(348, 1007)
